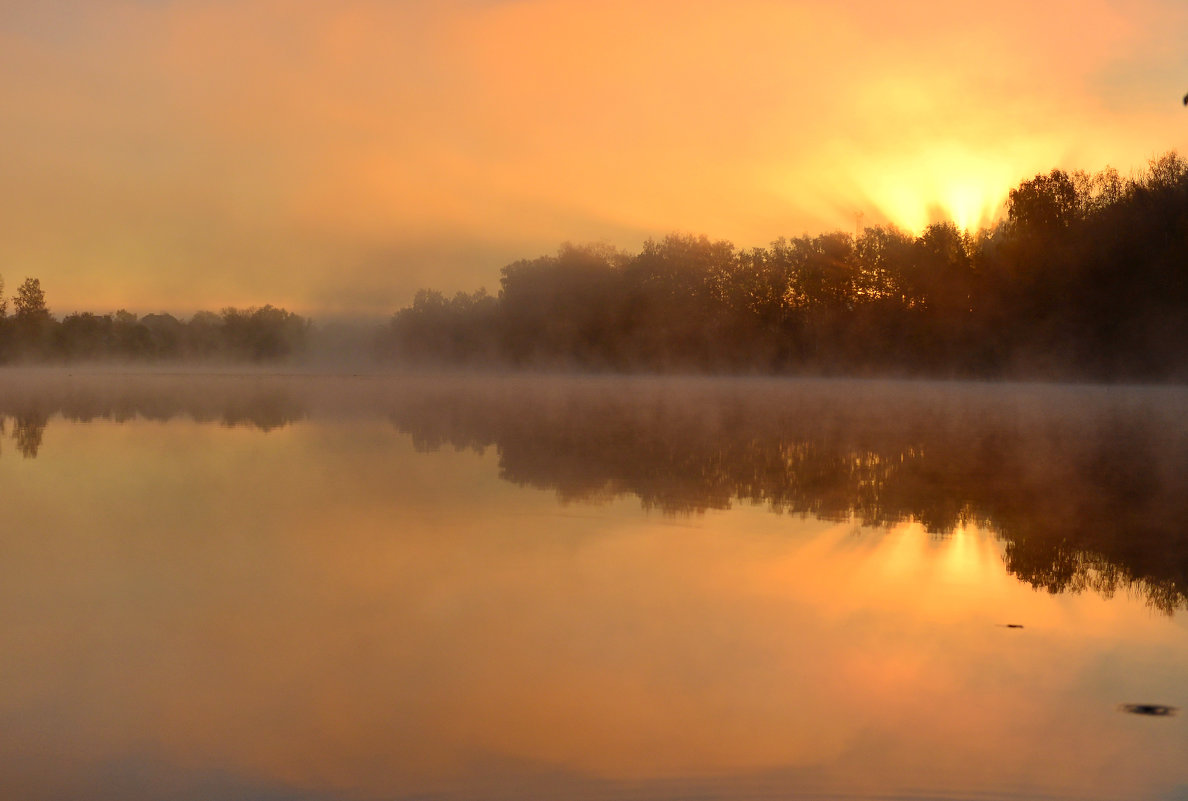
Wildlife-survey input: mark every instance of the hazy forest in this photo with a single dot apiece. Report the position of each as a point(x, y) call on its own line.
point(32, 334)
point(1086, 276)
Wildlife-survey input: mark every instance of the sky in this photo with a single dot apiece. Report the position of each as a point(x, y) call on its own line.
point(333, 156)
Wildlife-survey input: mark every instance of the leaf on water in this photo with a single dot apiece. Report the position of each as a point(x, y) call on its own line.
point(1154, 710)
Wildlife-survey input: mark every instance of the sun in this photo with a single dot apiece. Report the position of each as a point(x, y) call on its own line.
point(942, 184)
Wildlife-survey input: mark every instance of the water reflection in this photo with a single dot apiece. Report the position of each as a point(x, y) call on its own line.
point(1088, 487)
point(31, 397)
point(27, 428)
point(319, 611)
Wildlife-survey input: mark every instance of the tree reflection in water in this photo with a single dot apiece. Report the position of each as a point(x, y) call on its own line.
point(27, 429)
point(1086, 486)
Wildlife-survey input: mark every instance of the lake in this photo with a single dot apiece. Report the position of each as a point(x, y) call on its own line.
point(243, 586)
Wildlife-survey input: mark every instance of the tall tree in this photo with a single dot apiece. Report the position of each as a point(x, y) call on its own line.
point(29, 302)
point(31, 318)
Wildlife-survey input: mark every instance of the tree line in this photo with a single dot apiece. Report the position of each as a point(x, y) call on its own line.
point(1086, 276)
point(32, 334)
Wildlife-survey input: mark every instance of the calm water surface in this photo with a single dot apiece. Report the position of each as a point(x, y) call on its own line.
point(290, 587)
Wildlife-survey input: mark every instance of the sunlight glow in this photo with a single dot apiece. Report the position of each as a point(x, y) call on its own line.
point(944, 184)
point(970, 557)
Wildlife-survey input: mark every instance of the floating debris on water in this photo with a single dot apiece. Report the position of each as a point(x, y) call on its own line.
point(1156, 710)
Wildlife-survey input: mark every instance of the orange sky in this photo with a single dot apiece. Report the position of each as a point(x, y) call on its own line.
point(333, 157)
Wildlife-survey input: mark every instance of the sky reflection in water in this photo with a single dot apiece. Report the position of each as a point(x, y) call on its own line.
point(321, 601)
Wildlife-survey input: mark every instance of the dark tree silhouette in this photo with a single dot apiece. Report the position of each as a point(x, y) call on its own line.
point(1085, 277)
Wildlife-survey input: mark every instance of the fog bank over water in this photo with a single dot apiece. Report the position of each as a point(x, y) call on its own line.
point(1088, 485)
